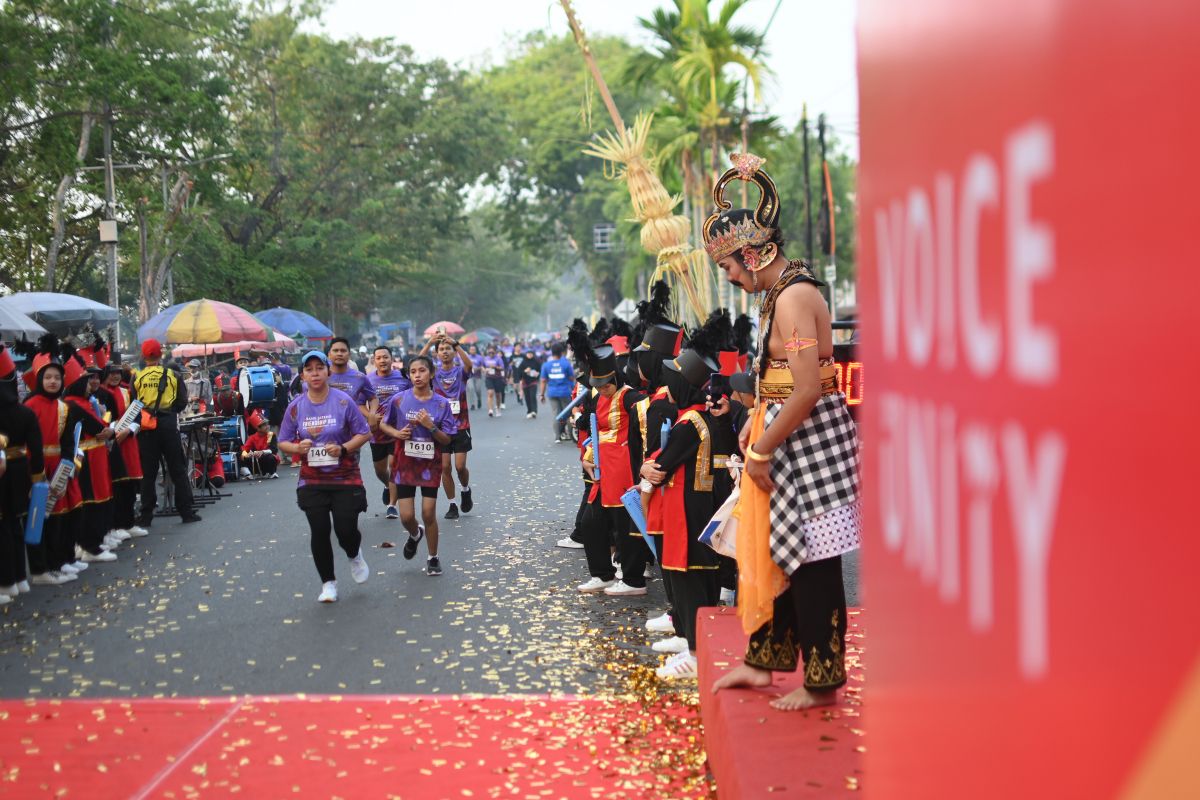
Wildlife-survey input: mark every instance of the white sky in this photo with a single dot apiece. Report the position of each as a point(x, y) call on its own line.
point(810, 46)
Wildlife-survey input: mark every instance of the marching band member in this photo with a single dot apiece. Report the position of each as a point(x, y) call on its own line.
point(799, 509)
point(260, 453)
point(21, 465)
point(95, 478)
point(125, 462)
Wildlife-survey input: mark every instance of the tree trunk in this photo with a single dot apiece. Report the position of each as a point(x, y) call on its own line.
point(57, 215)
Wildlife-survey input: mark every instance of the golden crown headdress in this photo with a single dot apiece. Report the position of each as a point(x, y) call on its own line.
point(726, 231)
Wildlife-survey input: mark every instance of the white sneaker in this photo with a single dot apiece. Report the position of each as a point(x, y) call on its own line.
point(103, 555)
point(64, 577)
point(328, 592)
point(681, 669)
point(70, 569)
point(111, 542)
point(244, 472)
point(620, 574)
point(79, 551)
point(569, 543)
point(79, 566)
point(359, 569)
point(137, 531)
point(622, 589)
point(676, 644)
point(120, 534)
point(23, 587)
point(5, 599)
point(648, 572)
point(10, 591)
point(594, 586)
point(502, 405)
point(661, 624)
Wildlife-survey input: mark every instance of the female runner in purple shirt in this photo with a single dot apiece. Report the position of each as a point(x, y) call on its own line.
point(325, 427)
point(423, 425)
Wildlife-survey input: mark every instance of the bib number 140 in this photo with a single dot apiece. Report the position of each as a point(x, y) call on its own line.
point(418, 449)
point(319, 456)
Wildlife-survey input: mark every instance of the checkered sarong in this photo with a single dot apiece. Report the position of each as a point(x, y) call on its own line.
point(815, 470)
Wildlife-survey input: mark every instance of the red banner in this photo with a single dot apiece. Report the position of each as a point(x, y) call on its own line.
point(1027, 289)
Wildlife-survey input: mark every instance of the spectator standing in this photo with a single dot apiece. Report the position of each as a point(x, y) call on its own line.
point(557, 383)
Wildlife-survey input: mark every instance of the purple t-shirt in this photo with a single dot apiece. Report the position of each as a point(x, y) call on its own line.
point(337, 420)
point(386, 387)
point(452, 384)
point(353, 383)
point(402, 410)
point(493, 366)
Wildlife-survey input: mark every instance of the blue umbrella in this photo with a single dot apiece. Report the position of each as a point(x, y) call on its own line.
point(64, 314)
point(294, 323)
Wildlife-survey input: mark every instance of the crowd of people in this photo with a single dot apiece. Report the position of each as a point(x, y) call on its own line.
point(680, 434)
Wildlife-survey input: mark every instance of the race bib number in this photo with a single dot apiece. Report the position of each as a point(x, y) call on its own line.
point(456, 407)
point(414, 448)
point(319, 456)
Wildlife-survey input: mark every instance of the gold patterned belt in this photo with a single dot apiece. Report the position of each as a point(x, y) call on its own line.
point(776, 384)
point(720, 462)
point(51, 450)
point(17, 451)
point(90, 444)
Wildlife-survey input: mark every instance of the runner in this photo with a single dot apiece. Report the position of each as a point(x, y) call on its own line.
point(344, 376)
point(476, 382)
point(557, 382)
point(493, 371)
point(527, 367)
point(324, 427)
point(450, 381)
point(387, 380)
point(423, 424)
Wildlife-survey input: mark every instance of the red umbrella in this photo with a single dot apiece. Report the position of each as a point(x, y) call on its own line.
point(452, 328)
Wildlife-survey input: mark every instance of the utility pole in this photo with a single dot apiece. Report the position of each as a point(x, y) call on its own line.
point(110, 203)
point(808, 226)
point(828, 236)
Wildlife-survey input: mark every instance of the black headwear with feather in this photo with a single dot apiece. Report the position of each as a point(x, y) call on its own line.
point(687, 375)
point(581, 349)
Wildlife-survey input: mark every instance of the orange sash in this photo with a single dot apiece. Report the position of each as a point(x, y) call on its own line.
point(760, 580)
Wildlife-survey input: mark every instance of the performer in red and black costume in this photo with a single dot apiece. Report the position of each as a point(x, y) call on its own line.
point(692, 471)
point(124, 459)
point(95, 479)
point(21, 467)
point(621, 417)
point(576, 339)
point(54, 561)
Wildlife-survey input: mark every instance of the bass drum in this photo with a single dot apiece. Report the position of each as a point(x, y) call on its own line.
point(257, 386)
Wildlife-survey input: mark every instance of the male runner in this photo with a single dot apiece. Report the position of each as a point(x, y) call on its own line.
point(388, 380)
point(450, 381)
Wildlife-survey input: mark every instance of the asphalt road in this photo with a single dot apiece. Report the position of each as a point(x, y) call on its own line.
point(228, 606)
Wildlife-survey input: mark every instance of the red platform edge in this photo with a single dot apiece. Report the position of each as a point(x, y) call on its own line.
point(754, 751)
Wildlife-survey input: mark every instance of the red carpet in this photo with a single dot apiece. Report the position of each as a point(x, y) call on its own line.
point(756, 752)
point(351, 747)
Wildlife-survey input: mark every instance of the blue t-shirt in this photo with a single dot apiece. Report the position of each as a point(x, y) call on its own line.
point(560, 377)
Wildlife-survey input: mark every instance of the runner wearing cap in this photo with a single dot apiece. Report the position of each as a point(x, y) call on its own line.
point(423, 425)
point(325, 427)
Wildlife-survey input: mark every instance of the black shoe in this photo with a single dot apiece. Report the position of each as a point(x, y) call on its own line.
point(386, 496)
point(433, 566)
point(467, 502)
point(453, 512)
point(410, 547)
point(190, 517)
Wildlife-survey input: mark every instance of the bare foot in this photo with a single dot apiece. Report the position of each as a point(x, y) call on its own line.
point(802, 698)
point(743, 675)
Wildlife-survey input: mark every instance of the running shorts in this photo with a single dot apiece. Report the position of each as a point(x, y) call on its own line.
point(409, 492)
point(381, 450)
point(460, 442)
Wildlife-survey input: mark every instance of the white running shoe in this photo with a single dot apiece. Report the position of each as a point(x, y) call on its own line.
point(244, 472)
point(46, 579)
point(569, 543)
point(5, 599)
point(70, 569)
point(681, 669)
point(359, 569)
point(137, 531)
point(328, 592)
point(676, 644)
point(594, 586)
point(64, 577)
point(661, 623)
point(648, 572)
point(120, 534)
point(10, 591)
point(502, 405)
point(111, 542)
point(23, 587)
point(103, 555)
point(79, 566)
point(622, 589)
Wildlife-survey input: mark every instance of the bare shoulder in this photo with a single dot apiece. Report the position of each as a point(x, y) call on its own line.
point(802, 294)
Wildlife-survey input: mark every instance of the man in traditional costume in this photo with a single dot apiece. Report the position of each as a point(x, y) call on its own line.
point(799, 509)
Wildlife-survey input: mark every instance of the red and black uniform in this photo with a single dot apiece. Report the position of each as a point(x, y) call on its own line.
point(63, 528)
point(695, 460)
point(125, 462)
point(266, 464)
point(23, 467)
point(620, 422)
point(95, 478)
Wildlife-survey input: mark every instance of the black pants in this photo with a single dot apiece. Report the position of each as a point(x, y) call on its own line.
point(124, 496)
point(97, 522)
point(12, 549)
point(690, 590)
point(266, 464)
point(332, 508)
point(162, 442)
point(577, 533)
point(531, 400)
point(602, 527)
point(809, 623)
point(60, 534)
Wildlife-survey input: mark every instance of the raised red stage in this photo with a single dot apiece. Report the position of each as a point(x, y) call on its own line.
point(756, 752)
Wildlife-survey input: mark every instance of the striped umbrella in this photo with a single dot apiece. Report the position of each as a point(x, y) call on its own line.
point(205, 322)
